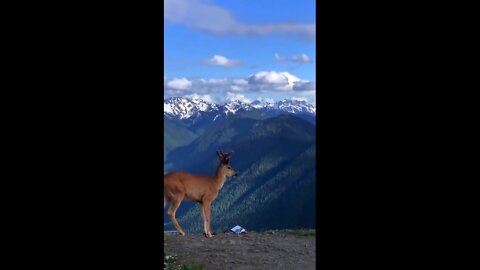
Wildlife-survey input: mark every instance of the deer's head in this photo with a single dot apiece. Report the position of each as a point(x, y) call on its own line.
point(224, 166)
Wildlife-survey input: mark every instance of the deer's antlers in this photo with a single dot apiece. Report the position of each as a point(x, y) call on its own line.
point(224, 158)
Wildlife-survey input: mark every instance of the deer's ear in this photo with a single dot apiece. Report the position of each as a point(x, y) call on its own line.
point(220, 156)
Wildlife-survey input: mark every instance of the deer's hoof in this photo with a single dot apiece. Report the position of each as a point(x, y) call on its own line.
point(208, 235)
point(181, 233)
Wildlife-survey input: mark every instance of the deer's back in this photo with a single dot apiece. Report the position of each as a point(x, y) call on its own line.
point(180, 179)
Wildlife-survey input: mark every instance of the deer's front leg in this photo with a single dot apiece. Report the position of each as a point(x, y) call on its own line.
point(206, 219)
point(202, 211)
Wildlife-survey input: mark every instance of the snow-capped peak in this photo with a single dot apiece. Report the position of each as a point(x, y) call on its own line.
point(234, 105)
point(186, 108)
point(296, 106)
point(263, 103)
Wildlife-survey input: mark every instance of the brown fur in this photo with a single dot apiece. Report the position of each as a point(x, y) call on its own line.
point(204, 189)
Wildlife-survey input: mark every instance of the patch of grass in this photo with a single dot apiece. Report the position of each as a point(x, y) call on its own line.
point(305, 232)
point(299, 232)
point(171, 262)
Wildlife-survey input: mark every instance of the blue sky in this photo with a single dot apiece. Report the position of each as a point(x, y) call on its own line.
point(238, 49)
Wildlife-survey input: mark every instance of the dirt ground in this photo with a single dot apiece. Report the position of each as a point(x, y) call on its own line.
point(251, 250)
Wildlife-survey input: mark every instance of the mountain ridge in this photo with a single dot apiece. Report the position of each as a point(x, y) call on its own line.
point(186, 108)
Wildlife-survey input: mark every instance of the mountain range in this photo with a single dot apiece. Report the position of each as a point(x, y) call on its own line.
point(192, 109)
point(274, 146)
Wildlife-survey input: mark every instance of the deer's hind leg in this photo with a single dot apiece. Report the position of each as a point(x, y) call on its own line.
point(171, 213)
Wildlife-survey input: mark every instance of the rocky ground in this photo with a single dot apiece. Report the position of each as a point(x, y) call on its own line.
point(251, 250)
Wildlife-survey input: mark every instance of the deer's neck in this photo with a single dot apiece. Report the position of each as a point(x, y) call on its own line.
point(220, 178)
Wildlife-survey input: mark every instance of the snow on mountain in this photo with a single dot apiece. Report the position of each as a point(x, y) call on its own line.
point(185, 108)
point(296, 106)
point(235, 105)
point(263, 104)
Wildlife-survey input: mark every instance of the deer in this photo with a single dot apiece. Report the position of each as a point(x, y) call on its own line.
point(203, 189)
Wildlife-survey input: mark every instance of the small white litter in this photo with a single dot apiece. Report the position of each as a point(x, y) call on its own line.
point(238, 229)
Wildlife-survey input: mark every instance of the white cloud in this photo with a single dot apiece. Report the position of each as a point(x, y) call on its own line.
point(217, 81)
point(278, 57)
point(265, 82)
point(304, 86)
point(179, 84)
point(236, 88)
point(235, 96)
point(268, 100)
point(264, 77)
point(310, 94)
point(218, 60)
point(299, 98)
point(240, 82)
point(206, 16)
point(302, 58)
point(304, 89)
point(272, 81)
point(238, 85)
point(207, 98)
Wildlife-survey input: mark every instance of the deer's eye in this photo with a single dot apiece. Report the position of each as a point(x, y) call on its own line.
point(229, 167)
